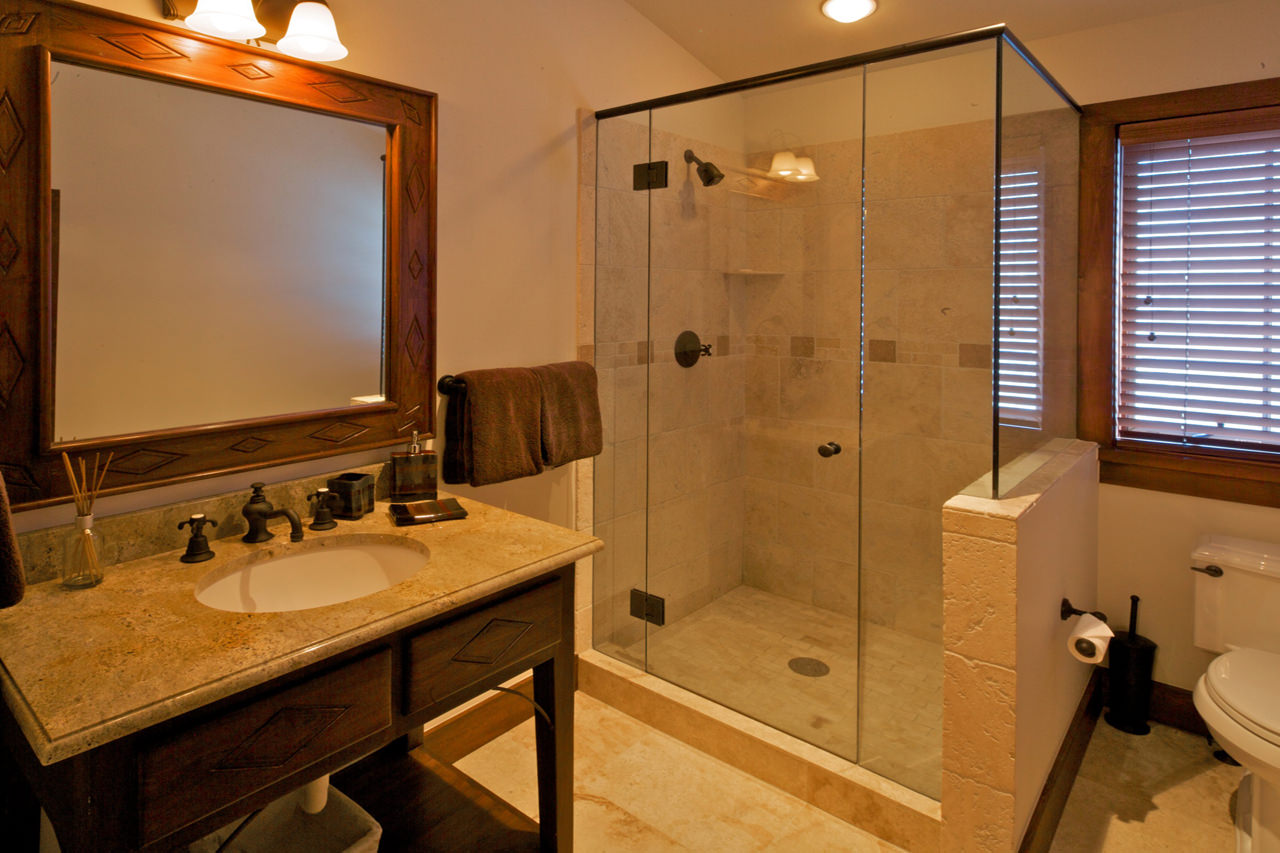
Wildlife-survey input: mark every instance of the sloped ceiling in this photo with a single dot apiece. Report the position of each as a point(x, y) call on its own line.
point(742, 38)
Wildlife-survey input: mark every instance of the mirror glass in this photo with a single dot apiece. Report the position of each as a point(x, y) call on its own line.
point(216, 258)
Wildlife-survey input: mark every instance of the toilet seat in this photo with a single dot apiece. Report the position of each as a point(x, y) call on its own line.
point(1245, 684)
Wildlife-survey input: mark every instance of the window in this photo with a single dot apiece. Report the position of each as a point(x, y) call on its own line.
point(1198, 241)
point(1020, 311)
point(1179, 334)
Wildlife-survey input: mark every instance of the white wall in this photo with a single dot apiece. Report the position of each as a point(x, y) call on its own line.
point(1057, 547)
point(1144, 537)
point(510, 78)
point(1211, 45)
point(1144, 549)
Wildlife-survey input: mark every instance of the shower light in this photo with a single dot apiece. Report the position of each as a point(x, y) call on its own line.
point(312, 33)
point(783, 165)
point(228, 19)
point(848, 11)
point(805, 170)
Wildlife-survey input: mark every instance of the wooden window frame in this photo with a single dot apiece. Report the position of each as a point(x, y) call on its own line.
point(1225, 475)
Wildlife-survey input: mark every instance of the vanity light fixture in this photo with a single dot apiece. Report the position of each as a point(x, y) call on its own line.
point(848, 11)
point(312, 33)
point(228, 19)
point(301, 29)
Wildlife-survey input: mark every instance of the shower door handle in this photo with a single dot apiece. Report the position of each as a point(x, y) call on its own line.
point(829, 449)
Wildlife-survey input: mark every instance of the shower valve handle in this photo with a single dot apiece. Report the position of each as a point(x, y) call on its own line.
point(829, 449)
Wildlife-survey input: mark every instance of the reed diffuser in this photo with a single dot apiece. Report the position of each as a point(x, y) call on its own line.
point(82, 563)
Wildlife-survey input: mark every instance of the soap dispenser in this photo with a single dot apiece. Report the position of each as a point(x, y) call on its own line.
point(413, 474)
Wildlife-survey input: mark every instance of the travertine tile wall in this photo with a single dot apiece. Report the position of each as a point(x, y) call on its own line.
point(585, 486)
point(927, 383)
point(1010, 686)
point(802, 325)
point(695, 494)
point(696, 457)
point(667, 493)
point(612, 283)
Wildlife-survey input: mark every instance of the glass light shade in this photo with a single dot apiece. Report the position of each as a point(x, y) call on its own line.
point(848, 11)
point(805, 170)
point(783, 165)
point(312, 34)
point(228, 19)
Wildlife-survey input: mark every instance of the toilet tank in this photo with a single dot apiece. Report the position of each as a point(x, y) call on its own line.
point(1242, 607)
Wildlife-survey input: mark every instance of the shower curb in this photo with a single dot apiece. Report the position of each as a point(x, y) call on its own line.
point(857, 796)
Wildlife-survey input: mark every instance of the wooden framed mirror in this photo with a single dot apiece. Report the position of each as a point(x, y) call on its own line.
point(192, 278)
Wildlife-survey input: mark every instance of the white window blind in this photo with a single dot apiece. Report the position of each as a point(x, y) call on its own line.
point(1199, 291)
point(1020, 321)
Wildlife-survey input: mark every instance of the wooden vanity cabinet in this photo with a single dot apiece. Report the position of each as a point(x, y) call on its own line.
point(165, 786)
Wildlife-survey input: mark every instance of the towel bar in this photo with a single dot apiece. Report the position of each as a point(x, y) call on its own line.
point(450, 384)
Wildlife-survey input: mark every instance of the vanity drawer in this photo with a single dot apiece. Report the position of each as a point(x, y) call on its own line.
point(451, 657)
point(200, 769)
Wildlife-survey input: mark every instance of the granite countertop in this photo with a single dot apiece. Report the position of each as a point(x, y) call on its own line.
point(80, 668)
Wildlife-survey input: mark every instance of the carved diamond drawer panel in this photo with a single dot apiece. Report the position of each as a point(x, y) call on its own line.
point(448, 658)
point(185, 775)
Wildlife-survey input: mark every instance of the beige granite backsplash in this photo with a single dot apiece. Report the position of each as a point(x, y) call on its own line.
point(133, 535)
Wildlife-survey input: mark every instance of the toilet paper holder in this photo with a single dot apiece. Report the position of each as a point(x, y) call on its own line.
point(1067, 611)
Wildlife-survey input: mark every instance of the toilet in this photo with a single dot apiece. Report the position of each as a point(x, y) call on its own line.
point(1237, 614)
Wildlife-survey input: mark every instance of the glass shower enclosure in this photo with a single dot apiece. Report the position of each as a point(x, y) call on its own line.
point(826, 301)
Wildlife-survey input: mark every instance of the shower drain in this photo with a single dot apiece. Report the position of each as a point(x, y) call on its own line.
point(811, 667)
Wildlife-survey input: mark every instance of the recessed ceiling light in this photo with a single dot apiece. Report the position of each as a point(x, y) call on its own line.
point(848, 11)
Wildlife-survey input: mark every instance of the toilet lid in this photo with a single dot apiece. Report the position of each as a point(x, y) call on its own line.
point(1246, 684)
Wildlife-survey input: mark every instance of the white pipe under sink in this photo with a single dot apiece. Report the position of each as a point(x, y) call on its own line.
point(315, 795)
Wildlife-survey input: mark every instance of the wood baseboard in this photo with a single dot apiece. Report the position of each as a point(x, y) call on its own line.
point(1170, 706)
point(1174, 706)
point(1057, 788)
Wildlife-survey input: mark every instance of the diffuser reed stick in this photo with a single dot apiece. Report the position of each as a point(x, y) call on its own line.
point(84, 491)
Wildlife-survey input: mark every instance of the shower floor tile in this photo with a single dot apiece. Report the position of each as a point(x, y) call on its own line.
point(736, 651)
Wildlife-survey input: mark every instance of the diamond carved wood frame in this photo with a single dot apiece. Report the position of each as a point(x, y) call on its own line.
point(33, 33)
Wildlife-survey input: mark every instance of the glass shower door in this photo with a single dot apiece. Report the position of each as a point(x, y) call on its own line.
point(927, 426)
point(753, 441)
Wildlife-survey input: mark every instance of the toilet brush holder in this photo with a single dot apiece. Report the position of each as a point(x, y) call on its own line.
point(1132, 660)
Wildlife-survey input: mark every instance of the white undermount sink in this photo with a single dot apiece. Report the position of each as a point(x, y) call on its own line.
point(313, 573)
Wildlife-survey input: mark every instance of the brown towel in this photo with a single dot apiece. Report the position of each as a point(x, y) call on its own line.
point(493, 427)
point(570, 412)
point(12, 576)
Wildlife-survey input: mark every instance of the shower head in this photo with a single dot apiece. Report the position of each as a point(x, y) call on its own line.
point(707, 171)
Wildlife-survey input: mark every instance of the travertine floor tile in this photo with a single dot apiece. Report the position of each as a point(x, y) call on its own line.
point(638, 789)
point(1159, 792)
point(736, 650)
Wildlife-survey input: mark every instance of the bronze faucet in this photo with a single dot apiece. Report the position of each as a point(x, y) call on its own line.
point(258, 511)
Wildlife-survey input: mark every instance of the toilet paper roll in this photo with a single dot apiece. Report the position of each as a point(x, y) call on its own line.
point(1089, 639)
